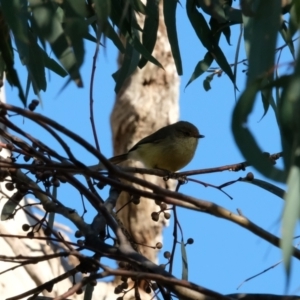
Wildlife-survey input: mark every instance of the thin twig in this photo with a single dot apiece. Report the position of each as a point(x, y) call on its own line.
point(91, 96)
point(211, 185)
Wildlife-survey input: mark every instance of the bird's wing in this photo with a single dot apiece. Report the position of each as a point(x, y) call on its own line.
point(154, 138)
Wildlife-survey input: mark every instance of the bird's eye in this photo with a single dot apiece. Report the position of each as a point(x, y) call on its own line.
point(186, 133)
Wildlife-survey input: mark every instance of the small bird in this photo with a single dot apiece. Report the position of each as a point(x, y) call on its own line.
point(170, 148)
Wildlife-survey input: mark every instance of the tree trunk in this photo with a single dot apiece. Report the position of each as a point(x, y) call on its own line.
point(147, 101)
point(29, 276)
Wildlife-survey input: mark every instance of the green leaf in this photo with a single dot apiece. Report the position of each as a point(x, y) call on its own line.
point(227, 33)
point(51, 218)
point(260, 34)
point(205, 36)
point(88, 293)
point(89, 37)
point(15, 14)
point(266, 186)
point(223, 63)
point(51, 215)
point(274, 106)
point(50, 28)
point(30, 56)
point(13, 79)
point(286, 37)
point(169, 10)
point(139, 6)
point(150, 30)
point(35, 65)
point(201, 67)
point(103, 9)
point(185, 268)
point(2, 68)
point(114, 37)
point(294, 21)
point(129, 64)
point(288, 112)
point(133, 21)
point(207, 81)
point(52, 65)
point(79, 7)
point(244, 138)
point(28, 85)
point(117, 15)
point(76, 29)
point(290, 215)
point(280, 82)
point(215, 8)
point(199, 24)
point(265, 95)
point(236, 59)
point(134, 41)
point(288, 115)
point(9, 207)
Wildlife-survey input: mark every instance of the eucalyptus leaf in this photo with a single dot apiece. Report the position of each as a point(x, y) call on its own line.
point(89, 37)
point(169, 10)
point(52, 65)
point(114, 37)
point(12, 11)
point(28, 85)
point(46, 18)
point(35, 65)
point(118, 17)
point(290, 216)
point(103, 9)
point(227, 33)
point(134, 41)
point(265, 95)
point(139, 6)
point(150, 30)
point(31, 56)
point(79, 6)
point(205, 36)
point(2, 68)
point(88, 293)
point(207, 81)
point(129, 64)
point(244, 138)
point(10, 206)
point(294, 22)
point(223, 63)
point(51, 216)
point(287, 38)
point(214, 8)
point(236, 58)
point(15, 12)
point(199, 24)
point(201, 67)
point(76, 28)
point(288, 115)
point(266, 186)
point(184, 259)
point(279, 82)
point(260, 34)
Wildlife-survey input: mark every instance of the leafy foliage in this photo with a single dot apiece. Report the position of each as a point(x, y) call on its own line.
point(64, 25)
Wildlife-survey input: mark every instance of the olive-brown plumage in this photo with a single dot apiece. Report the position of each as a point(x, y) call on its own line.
point(170, 148)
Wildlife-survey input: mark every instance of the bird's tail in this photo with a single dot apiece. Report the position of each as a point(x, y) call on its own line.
point(114, 160)
point(118, 159)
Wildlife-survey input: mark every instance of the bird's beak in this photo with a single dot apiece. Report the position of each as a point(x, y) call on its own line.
point(200, 136)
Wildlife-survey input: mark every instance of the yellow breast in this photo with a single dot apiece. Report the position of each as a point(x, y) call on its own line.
point(169, 154)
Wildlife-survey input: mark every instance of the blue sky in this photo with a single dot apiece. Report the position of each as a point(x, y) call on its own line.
point(223, 254)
